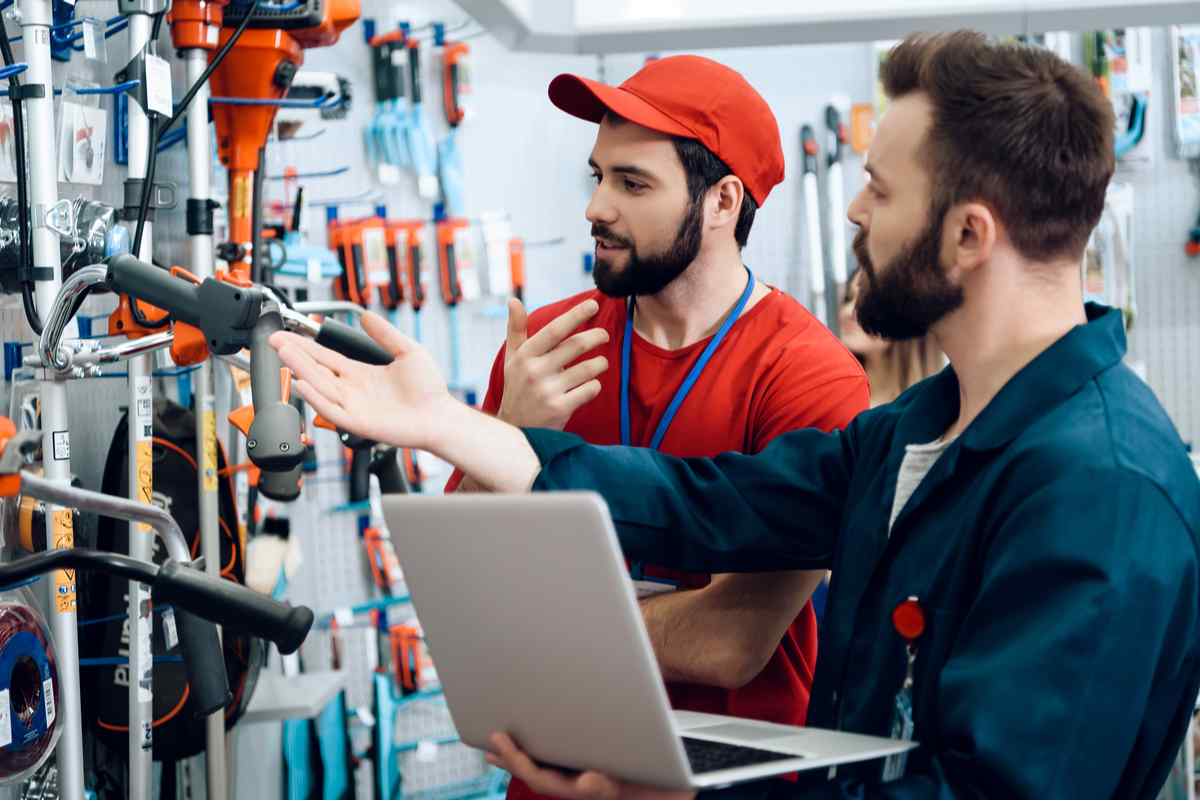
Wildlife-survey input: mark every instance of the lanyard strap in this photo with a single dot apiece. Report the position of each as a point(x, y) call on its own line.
point(693, 375)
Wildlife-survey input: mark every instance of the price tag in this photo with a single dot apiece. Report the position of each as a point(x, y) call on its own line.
point(94, 45)
point(170, 630)
point(5, 719)
point(158, 86)
point(48, 691)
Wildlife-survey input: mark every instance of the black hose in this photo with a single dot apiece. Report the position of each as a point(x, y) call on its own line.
point(24, 249)
point(258, 260)
point(156, 132)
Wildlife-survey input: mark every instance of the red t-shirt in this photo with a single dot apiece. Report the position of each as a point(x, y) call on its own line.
point(778, 369)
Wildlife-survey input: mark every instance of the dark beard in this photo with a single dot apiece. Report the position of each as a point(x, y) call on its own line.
point(911, 292)
point(651, 274)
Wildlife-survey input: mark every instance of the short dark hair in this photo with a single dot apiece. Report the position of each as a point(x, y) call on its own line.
point(703, 170)
point(1015, 127)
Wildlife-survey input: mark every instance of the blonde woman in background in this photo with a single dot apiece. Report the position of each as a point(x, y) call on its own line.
point(892, 367)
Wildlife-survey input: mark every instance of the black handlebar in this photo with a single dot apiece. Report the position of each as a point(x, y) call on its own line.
point(231, 604)
point(352, 343)
point(206, 596)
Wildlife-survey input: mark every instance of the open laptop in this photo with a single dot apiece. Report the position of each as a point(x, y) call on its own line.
point(531, 619)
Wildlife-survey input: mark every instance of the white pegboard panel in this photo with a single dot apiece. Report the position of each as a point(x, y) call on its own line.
point(1166, 333)
point(428, 766)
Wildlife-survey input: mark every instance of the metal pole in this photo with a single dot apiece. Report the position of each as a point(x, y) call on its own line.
point(200, 174)
point(141, 473)
point(56, 443)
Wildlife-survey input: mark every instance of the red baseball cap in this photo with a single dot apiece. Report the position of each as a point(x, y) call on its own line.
point(693, 97)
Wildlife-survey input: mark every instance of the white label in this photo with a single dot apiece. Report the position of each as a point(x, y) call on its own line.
point(158, 86)
point(62, 446)
point(145, 649)
point(143, 391)
point(213, 35)
point(366, 717)
point(94, 46)
point(375, 252)
point(48, 692)
point(5, 719)
point(427, 751)
point(389, 174)
point(398, 57)
point(344, 617)
point(314, 270)
point(169, 631)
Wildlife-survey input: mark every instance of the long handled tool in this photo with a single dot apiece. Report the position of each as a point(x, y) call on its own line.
point(835, 197)
point(812, 224)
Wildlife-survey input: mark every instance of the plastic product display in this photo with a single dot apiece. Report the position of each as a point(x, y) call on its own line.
point(28, 687)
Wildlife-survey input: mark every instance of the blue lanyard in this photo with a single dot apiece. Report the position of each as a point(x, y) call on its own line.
point(692, 376)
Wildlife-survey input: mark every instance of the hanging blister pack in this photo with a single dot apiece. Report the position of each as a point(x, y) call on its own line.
point(497, 237)
point(83, 138)
point(1185, 73)
point(8, 143)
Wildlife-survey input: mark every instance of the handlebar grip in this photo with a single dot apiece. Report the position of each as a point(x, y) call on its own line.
point(130, 276)
point(385, 464)
point(352, 343)
point(281, 485)
point(360, 475)
point(204, 662)
point(273, 442)
point(231, 604)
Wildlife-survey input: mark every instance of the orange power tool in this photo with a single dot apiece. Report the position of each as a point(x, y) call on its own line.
point(260, 67)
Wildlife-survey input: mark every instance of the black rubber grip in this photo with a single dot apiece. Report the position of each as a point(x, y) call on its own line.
point(360, 475)
point(352, 343)
point(281, 485)
point(385, 464)
point(231, 604)
point(131, 276)
point(204, 662)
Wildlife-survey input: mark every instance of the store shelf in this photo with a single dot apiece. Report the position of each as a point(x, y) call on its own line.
point(293, 698)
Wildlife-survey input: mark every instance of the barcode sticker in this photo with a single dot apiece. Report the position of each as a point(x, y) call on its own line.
point(48, 691)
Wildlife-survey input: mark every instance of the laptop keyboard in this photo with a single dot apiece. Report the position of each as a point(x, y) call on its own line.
point(706, 756)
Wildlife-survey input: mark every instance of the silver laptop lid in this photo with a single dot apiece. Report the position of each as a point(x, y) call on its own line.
point(532, 622)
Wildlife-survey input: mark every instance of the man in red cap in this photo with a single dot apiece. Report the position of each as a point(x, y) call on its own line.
point(679, 348)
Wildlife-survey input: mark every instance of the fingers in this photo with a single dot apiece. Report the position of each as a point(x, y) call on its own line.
point(323, 406)
point(574, 347)
point(337, 364)
point(307, 369)
point(560, 327)
point(386, 334)
point(518, 321)
point(580, 395)
point(582, 373)
point(545, 782)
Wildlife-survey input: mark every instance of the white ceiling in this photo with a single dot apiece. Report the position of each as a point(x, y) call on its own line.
point(615, 26)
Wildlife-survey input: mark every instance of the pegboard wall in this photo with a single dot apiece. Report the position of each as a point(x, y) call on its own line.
point(1165, 337)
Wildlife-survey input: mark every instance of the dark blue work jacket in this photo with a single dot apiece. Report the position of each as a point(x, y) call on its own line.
point(1053, 546)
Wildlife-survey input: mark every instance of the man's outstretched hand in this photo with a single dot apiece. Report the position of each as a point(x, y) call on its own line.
point(407, 404)
point(504, 753)
point(396, 403)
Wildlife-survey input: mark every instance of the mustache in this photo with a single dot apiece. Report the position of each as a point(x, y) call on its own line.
point(861, 254)
point(604, 232)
